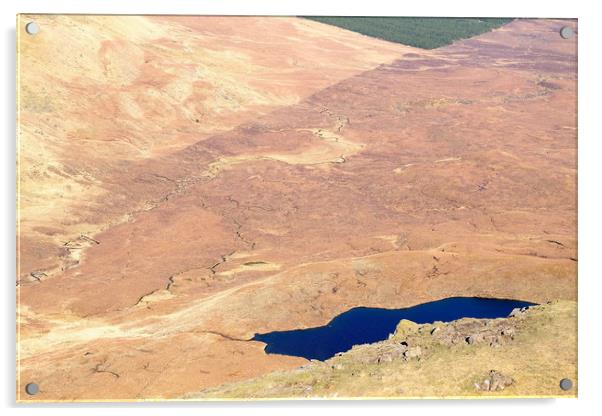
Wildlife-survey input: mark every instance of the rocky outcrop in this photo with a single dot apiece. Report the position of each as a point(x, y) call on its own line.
point(471, 331)
point(466, 357)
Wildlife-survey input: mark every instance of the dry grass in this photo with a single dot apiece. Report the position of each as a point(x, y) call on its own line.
point(542, 352)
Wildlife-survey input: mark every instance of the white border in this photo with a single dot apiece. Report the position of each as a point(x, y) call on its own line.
point(509, 8)
point(590, 175)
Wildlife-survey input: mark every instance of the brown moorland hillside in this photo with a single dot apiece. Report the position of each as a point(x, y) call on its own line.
point(185, 183)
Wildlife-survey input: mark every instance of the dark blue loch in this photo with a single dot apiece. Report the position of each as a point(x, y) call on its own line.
point(366, 325)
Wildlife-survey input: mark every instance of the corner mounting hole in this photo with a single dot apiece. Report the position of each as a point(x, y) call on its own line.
point(566, 384)
point(32, 388)
point(32, 28)
point(566, 32)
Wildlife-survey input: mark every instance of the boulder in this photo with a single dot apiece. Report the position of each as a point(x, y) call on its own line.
point(494, 381)
point(405, 328)
point(412, 352)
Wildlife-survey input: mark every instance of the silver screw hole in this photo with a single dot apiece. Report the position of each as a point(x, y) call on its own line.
point(32, 28)
point(566, 384)
point(566, 32)
point(32, 389)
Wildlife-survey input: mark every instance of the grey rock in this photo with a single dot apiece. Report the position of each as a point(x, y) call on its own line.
point(494, 381)
point(413, 352)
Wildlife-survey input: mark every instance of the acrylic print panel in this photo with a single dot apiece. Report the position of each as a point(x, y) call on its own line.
point(290, 207)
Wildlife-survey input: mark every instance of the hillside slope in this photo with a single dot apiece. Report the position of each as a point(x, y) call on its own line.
point(328, 170)
point(421, 32)
point(522, 355)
